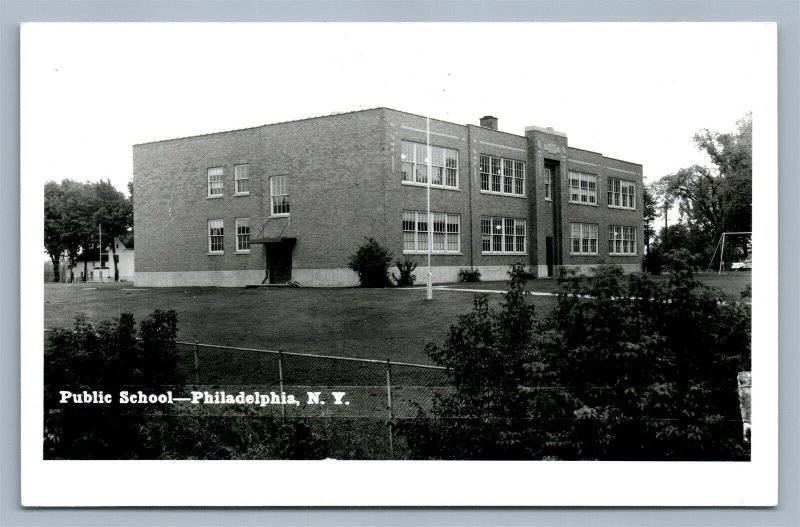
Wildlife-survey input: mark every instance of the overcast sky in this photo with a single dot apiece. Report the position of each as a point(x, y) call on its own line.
point(637, 92)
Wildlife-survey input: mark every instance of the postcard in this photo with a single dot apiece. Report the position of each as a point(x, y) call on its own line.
point(399, 264)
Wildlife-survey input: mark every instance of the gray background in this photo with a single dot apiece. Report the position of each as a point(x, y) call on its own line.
point(786, 13)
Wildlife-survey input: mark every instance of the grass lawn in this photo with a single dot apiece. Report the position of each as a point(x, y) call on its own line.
point(366, 323)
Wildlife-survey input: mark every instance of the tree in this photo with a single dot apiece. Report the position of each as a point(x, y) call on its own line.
point(54, 244)
point(622, 369)
point(114, 212)
point(649, 206)
point(718, 198)
point(73, 214)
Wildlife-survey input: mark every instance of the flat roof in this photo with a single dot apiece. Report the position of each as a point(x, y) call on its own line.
point(338, 114)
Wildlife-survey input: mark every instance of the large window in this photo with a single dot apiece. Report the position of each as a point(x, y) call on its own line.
point(548, 184)
point(279, 195)
point(215, 237)
point(503, 236)
point(621, 193)
point(583, 238)
point(414, 165)
point(241, 176)
point(502, 176)
point(215, 182)
point(446, 232)
point(582, 188)
point(242, 235)
point(621, 240)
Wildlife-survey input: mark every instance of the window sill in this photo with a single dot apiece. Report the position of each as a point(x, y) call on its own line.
point(620, 207)
point(622, 254)
point(241, 252)
point(585, 204)
point(215, 196)
point(424, 185)
point(503, 254)
point(215, 253)
point(279, 215)
point(242, 194)
point(548, 199)
point(583, 254)
point(437, 253)
point(493, 193)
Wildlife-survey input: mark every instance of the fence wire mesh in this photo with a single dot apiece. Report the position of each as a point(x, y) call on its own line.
point(350, 404)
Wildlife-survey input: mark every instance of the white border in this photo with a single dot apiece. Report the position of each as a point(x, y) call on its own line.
point(348, 483)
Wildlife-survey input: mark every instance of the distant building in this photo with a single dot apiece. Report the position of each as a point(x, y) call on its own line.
point(98, 270)
point(294, 200)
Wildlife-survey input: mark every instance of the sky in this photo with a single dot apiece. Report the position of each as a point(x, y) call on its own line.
point(637, 92)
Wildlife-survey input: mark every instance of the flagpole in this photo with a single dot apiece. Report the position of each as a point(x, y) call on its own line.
point(430, 222)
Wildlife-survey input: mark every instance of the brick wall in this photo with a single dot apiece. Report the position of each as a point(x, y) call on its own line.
point(345, 184)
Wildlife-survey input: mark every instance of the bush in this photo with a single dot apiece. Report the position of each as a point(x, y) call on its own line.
point(405, 268)
point(469, 275)
point(112, 357)
point(640, 370)
point(371, 263)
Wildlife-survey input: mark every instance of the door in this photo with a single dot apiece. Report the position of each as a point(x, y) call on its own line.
point(279, 262)
point(548, 254)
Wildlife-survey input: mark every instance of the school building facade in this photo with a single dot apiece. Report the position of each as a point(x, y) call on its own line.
point(294, 200)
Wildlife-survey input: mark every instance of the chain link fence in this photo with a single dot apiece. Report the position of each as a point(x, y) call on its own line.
point(351, 402)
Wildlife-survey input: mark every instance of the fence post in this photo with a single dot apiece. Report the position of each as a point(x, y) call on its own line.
point(280, 379)
point(196, 365)
point(391, 412)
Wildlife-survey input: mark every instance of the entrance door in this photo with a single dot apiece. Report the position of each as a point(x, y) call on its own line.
point(279, 262)
point(548, 254)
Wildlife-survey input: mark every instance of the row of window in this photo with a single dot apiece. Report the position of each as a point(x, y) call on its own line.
point(278, 187)
point(414, 165)
point(216, 236)
point(506, 176)
point(584, 239)
point(241, 180)
point(583, 190)
point(498, 235)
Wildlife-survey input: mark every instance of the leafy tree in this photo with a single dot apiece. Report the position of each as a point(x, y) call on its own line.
point(718, 198)
point(114, 212)
point(73, 213)
point(371, 263)
point(641, 370)
point(54, 244)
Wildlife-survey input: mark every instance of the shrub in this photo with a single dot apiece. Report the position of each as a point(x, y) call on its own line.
point(406, 268)
point(108, 357)
point(112, 357)
point(469, 275)
point(371, 263)
point(622, 369)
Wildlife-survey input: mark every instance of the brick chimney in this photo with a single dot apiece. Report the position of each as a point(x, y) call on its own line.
point(487, 121)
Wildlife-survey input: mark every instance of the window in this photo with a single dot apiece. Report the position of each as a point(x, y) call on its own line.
point(215, 182)
point(582, 188)
point(279, 196)
point(242, 235)
point(502, 176)
point(548, 182)
point(621, 240)
point(215, 237)
point(621, 193)
point(446, 232)
point(583, 238)
point(241, 176)
point(503, 236)
point(414, 165)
